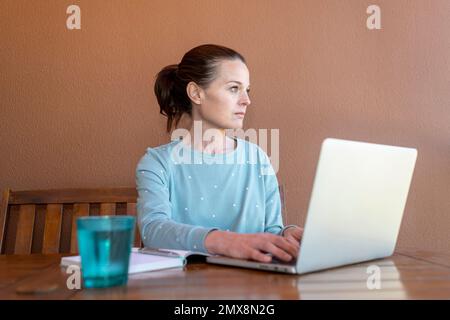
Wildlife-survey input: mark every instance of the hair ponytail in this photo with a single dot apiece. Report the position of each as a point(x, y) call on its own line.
point(173, 102)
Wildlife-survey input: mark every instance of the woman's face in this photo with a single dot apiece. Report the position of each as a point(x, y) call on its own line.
point(225, 101)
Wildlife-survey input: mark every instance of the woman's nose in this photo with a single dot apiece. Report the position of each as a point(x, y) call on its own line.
point(245, 99)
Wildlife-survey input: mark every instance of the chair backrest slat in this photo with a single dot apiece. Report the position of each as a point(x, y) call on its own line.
point(24, 231)
point(107, 209)
point(3, 212)
point(131, 210)
point(79, 210)
point(52, 229)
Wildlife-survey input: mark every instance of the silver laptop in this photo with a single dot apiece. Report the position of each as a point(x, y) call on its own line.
point(355, 210)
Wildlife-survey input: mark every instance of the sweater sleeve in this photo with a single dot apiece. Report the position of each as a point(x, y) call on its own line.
point(273, 215)
point(154, 209)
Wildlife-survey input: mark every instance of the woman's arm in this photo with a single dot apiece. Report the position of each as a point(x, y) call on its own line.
point(155, 211)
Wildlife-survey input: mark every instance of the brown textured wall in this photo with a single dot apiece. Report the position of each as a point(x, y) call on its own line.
point(77, 108)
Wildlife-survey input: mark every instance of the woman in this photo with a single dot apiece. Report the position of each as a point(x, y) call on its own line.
point(221, 202)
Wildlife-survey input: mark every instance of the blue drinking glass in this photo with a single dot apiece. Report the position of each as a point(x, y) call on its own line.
point(104, 244)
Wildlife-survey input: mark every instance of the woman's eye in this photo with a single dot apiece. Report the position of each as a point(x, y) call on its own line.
point(234, 89)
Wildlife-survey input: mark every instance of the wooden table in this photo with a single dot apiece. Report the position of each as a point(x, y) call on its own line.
point(409, 274)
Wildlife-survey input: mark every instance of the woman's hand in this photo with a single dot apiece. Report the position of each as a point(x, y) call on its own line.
point(252, 246)
point(293, 234)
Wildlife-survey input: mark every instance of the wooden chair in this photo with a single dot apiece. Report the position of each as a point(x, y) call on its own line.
point(44, 221)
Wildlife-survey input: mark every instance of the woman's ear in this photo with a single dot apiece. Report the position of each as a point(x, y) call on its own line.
point(194, 92)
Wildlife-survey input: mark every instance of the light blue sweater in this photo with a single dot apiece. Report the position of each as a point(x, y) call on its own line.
point(183, 194)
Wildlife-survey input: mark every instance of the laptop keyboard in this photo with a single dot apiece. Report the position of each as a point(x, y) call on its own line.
point(293, 262)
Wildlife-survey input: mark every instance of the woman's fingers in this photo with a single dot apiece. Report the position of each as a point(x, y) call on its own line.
point(293, 241)
point(287, 246)
point(297, 233)
point(259, 256)
point(277, 252)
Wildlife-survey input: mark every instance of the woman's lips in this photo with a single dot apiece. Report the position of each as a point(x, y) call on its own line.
point(240, 114)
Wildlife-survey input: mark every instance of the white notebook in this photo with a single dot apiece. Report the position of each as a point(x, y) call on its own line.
point(143, 262)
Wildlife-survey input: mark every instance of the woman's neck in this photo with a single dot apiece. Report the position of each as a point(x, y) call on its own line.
point(209, 139)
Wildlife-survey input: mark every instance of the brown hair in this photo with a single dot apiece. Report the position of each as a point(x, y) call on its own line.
point(197, 65)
